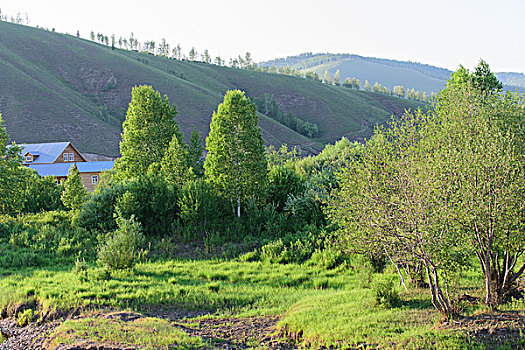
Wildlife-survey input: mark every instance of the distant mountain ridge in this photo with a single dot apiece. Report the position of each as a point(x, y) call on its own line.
point(57, 87)
point(422, 77)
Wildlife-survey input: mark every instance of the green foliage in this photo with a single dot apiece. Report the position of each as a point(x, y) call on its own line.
point(98, 213)
point(152, 201)
point(147, 131)
point(385, 294)
point(122, 249)
point(42, 194)
point(74, 193)
point(42, 239)
point(328, 257)
point(480, 155)
point(195, 153)
point(24, 317)
point(174, 165)
point(149, 198)
point(272, 109)
point(236, 161)
point(332, 158)
point(395, 183)
point(12, 175)
point(283, 182)
point(201, 208)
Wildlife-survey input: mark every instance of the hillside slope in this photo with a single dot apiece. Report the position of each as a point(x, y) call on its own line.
point(56, 87)
point(421, 77)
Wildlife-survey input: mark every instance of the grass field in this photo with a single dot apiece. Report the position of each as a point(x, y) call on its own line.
point(317, 307)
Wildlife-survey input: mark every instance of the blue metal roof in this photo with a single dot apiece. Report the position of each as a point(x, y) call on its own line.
point(95, 167)
point(47, 152)
point(57, 169)
point(62, 169)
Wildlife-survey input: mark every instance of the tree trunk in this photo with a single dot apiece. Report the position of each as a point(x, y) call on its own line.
point(438, 299)
point(239, 207)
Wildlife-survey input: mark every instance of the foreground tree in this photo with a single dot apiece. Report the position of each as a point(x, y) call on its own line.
point(236, 160)
point(389, 202)
point(482, 153)
point(147, 131)
point(437, 189)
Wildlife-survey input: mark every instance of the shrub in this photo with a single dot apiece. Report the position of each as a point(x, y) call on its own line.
point(327, 258)
point(152, 201)
point(98, 213)
point(275, 252)
point(283, 182)
point(263, 222)
point(122, 249)
point(249, 257)
point(149, 198)
point(44, 238)
point(42, 194)
point(384, 294)
point(201, 209)
point(24, 317)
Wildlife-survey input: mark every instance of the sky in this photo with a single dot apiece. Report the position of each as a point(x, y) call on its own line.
point(444, 33)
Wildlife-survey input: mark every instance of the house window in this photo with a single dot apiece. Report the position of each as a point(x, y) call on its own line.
point(29, 158)
point(71, 157)
point(94, 179)
point(65, 157)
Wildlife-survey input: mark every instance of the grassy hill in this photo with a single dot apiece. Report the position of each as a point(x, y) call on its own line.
point(57, 87)
point(421, 77)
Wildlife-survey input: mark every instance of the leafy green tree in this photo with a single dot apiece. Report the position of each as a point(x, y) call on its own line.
point(399, 91)
point(193, 54)
point(195, 151)
point(236, 160)
point(348, 83)
point(42, 194)
point(164, 48)
point(147, 131)
point(174, 166)
point(389, 202)
point(367, 86)
point(337, 78)
point(282, 183)
point(206, 58)
point(12, 175)
point(327, 78)
point(74, 194)
point(482, 152)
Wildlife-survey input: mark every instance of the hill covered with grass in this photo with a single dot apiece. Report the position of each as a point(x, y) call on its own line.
point(421, 77)
point(56, 87)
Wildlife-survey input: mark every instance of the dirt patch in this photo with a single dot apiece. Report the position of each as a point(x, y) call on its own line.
point(493, 330)
point(236, 333)
point(31, 337)
point(217, 333)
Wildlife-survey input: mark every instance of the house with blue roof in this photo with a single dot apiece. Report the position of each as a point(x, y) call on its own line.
point(56, 158)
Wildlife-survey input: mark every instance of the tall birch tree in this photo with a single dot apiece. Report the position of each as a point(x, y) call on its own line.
point(236, 161)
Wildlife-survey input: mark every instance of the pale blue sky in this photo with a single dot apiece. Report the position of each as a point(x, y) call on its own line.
point(443, 33)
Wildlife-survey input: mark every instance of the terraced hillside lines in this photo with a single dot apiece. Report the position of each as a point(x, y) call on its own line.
point(57, 87)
